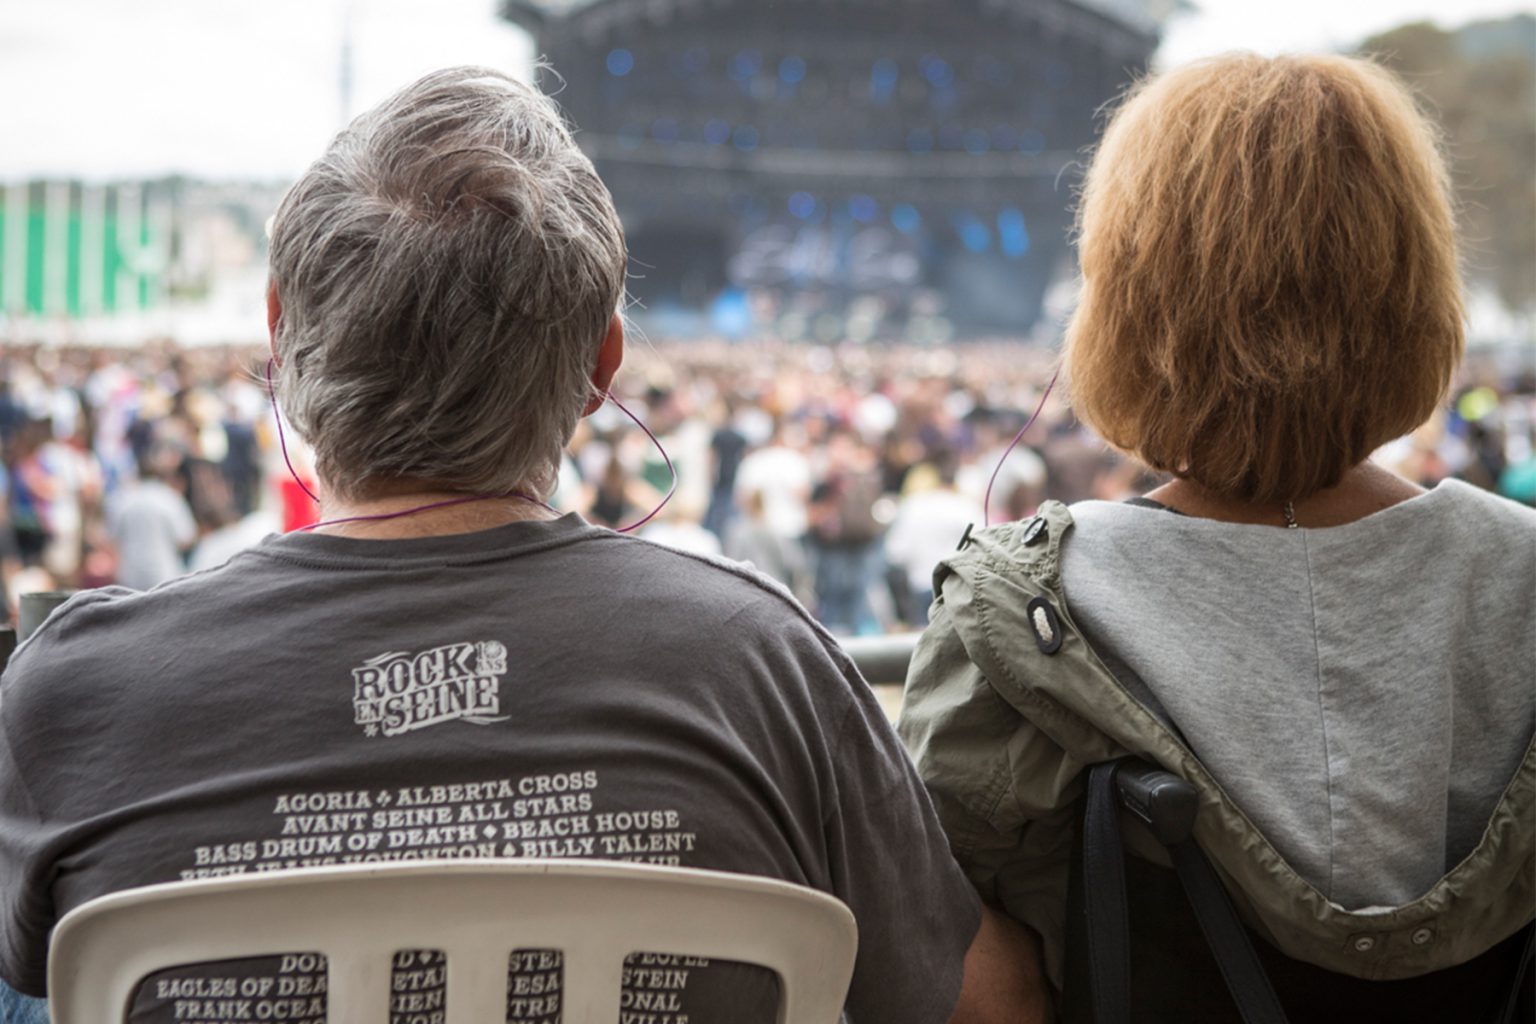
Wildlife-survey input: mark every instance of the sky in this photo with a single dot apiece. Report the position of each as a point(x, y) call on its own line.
point(104, 89)
point(1274, 26)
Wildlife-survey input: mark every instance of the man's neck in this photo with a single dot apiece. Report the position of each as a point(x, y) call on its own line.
point(424, 513)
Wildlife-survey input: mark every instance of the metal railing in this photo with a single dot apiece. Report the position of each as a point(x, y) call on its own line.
point(34, 608)
point(882, 660)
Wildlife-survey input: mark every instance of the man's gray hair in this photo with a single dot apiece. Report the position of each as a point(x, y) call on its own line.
point(447, 272)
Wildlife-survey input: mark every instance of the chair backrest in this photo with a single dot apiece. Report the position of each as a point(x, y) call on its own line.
point(477, 912)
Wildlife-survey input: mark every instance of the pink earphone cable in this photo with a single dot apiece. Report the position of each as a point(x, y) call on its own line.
point(986, 502)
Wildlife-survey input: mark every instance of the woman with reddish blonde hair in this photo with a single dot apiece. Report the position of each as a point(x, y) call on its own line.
point(1270, 286)
point(1338, 661)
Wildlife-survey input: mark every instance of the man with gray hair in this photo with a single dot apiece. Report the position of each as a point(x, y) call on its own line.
point(446, 667)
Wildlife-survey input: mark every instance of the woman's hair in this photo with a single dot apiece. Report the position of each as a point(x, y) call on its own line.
point(1270, 286)
point(447, 273)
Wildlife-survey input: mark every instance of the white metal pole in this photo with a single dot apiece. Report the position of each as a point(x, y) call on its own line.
point(55, 248)
point(14, 300)
point(93, 250)
point(128, 247)
point(162, 225)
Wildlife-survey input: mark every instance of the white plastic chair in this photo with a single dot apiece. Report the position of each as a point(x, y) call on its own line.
point(477, 912)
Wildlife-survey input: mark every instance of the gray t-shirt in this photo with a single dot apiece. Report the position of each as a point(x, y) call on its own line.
point(541, 689)
point(1364, 692)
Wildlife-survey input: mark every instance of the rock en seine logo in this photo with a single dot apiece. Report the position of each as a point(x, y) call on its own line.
point(400, 692)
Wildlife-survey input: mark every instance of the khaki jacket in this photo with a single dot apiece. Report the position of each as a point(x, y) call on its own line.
point(1001, 732)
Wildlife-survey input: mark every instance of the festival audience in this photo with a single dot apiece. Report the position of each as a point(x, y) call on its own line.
point(762, 435)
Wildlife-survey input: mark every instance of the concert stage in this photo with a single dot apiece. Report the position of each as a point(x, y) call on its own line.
point(901, 161)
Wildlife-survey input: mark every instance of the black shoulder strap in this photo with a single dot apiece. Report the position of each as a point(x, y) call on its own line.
point(1509, 1012)
point(1105, 906)
point(1226, 936)
point(1109, 961)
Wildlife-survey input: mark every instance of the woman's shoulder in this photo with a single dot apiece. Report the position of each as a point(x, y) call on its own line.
point(1471, 511)
point(1459, 499)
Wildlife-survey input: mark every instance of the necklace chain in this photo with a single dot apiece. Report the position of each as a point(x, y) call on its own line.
point(377, 517)
point(1290, 516)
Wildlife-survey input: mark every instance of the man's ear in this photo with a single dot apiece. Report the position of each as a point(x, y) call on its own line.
point(608, 359)
point(274, 314)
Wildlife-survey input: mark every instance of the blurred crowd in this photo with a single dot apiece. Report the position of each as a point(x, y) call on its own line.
point(845, 472)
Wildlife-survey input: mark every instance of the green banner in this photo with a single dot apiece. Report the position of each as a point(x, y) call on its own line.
point(101, 270)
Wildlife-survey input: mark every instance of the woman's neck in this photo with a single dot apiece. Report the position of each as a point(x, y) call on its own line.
point(1365, 490)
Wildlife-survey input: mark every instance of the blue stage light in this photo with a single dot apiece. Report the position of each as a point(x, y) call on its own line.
point(620, 62)
point(745, 64)
point(791, 70)
point(863, 208)
point(974, 234)
point(731, 313)
point(905, 218)
point(717, 132)
point(883, 78)
point(745, 138)
point(1031, 142)
point(1012, 234)
point(938, 72)
point(802, 205)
